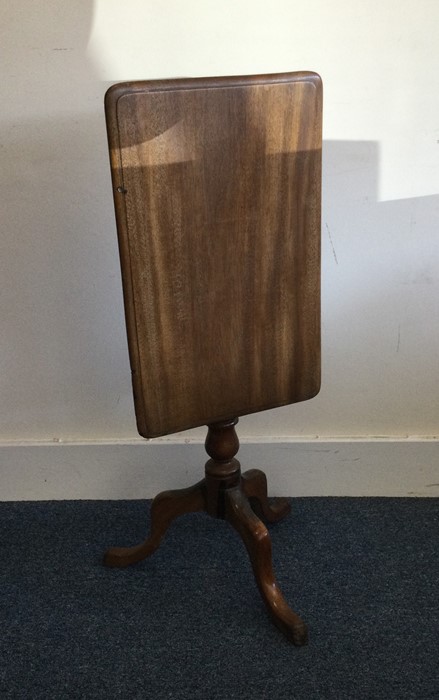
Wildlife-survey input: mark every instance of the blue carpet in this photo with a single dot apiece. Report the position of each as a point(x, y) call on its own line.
point(189, 622)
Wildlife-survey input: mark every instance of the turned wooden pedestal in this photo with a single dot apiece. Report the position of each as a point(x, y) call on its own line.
point(238, 498)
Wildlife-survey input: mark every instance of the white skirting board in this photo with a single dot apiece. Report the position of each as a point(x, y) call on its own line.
point(136, 469)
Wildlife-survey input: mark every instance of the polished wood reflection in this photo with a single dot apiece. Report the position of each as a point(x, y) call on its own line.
point(217, 188)
point(217, 192)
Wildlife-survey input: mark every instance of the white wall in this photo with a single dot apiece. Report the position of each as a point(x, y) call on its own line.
point(64, 371)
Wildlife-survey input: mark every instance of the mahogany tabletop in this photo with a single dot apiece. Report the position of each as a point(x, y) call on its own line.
point(217, 190)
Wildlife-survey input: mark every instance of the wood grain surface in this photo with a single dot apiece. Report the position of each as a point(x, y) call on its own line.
point(217, 189)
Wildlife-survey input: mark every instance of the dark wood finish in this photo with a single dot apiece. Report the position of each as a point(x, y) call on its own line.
point(258, 543)
point(167, 506)
point(223, 493)
point(216, 186)
point(217, 195)
point(254, 484)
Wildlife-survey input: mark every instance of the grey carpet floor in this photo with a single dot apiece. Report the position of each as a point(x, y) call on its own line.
point(189, 622)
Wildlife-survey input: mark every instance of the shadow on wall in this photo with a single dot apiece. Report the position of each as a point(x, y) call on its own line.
point(62, 348)
point(63, 352)
point(380, 290)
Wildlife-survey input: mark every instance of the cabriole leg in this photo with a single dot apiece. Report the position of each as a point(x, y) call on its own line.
point(258, 543)
point(166, 507)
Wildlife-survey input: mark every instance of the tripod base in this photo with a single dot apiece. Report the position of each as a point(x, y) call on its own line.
point(226, 494)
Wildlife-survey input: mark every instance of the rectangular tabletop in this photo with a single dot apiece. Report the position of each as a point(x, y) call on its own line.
point(217, 188)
